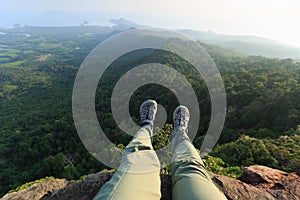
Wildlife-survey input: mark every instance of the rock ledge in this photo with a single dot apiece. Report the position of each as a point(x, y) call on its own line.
point(256, 182)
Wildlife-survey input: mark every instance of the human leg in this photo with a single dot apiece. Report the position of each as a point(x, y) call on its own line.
point(190, 180)
point(138, 175)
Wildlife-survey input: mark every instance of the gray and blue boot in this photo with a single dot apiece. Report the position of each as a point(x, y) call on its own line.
point(148, 110)
point(181, 117)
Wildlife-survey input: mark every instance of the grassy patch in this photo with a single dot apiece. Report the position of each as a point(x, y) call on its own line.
point(13, 64)
point(13, 53)
point(27, 185)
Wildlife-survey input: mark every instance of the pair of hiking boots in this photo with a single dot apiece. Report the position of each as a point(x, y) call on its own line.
point(148, 110)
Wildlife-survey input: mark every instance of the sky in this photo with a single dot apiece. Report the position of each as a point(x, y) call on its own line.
point(273, 19)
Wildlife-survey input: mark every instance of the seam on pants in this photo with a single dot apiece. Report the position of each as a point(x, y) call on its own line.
point(113, 193)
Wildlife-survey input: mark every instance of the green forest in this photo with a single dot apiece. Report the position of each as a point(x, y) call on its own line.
point(38, 138)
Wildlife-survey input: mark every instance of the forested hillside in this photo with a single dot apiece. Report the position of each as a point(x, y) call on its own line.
point(38, 137)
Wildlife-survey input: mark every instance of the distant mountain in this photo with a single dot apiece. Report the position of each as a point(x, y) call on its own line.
point(251, 45)
point(246, 44)
point(124, 24)
point(243, 44)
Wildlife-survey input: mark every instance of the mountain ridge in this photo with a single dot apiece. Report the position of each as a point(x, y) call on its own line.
point(248, 44)
point(256, 182)
point(37, 128)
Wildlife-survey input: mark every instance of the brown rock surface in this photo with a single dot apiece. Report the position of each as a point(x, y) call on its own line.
point(37, 191)
point(237, 190)
point(257, 182)
point(280, 184)
point(87, 189)
point(83, 190)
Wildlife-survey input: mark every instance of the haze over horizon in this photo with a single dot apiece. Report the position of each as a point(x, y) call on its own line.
point(272, 19)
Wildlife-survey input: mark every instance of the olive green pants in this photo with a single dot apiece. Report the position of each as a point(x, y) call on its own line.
point(138, 175)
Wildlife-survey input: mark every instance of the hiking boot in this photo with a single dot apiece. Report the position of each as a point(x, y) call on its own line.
point(181, 117)
point(147, 112)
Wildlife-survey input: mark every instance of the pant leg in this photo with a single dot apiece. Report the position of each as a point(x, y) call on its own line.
point(138, 176)
point(190, 180)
